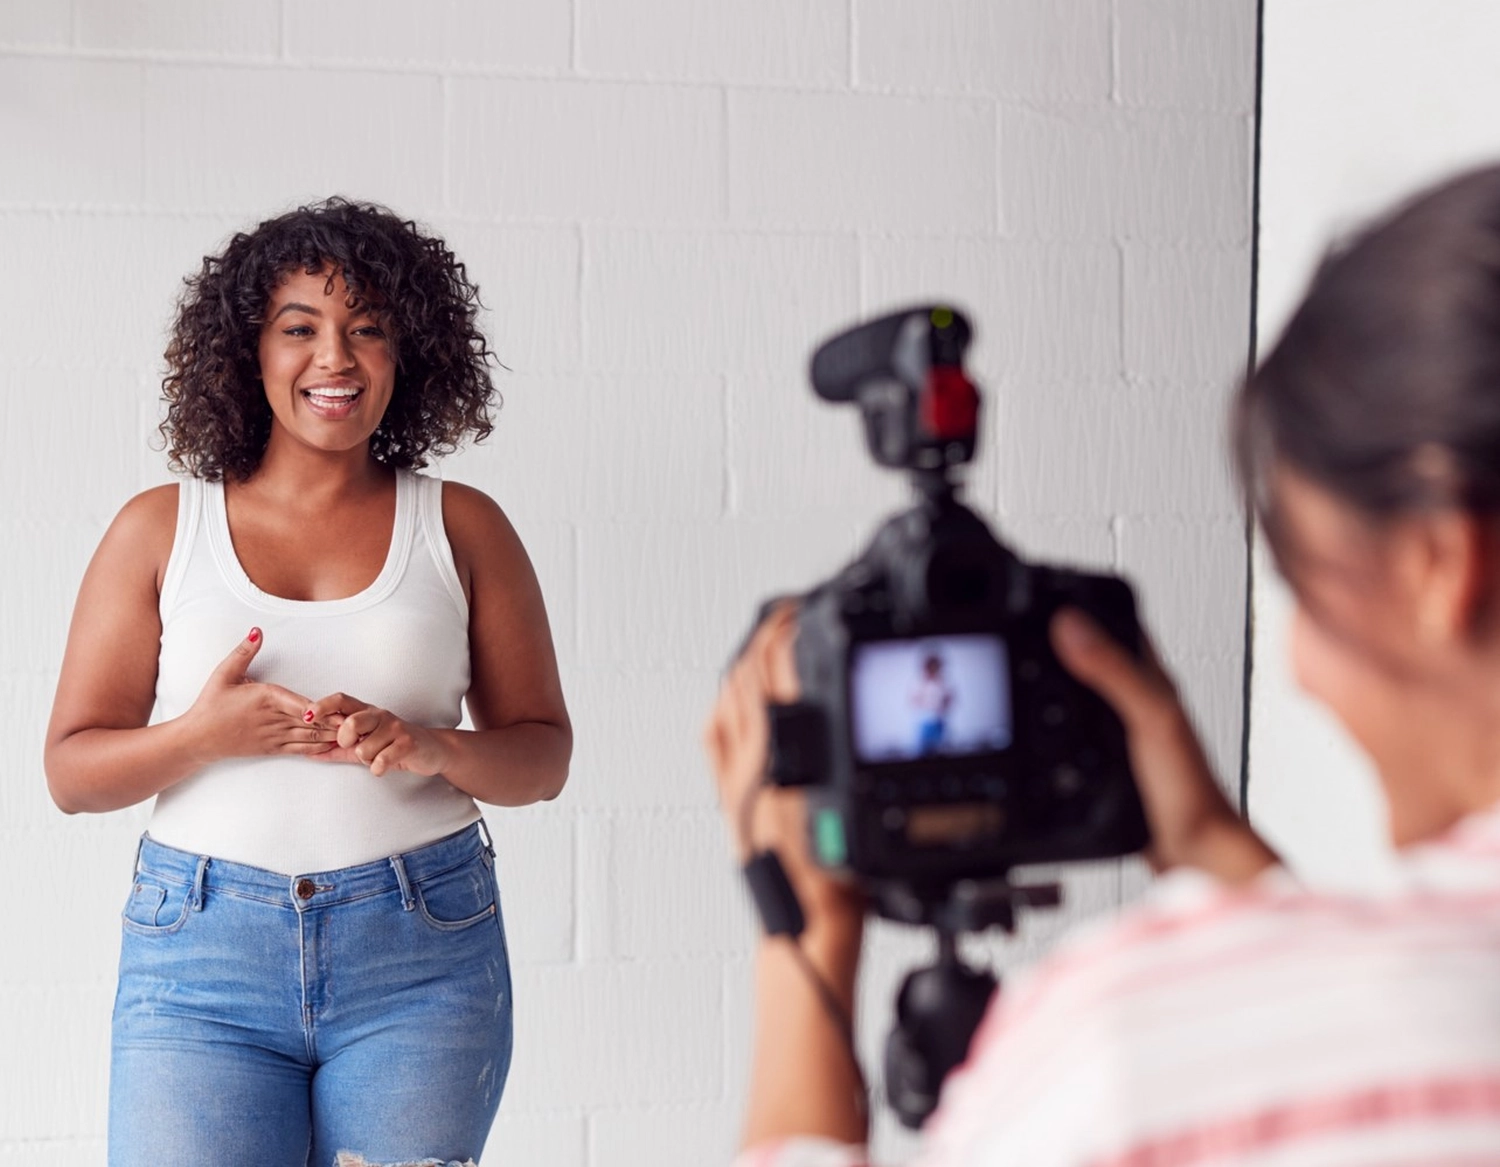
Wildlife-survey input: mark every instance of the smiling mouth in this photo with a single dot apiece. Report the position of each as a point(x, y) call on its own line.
point(332, 401)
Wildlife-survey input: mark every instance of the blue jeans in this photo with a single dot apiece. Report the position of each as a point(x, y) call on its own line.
point(930, 734)
point(273, 1021)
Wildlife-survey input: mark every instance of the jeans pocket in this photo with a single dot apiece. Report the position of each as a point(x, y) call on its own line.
point(458, 899)
point(156, 906)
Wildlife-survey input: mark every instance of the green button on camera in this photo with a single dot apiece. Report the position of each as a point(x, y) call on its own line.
point(828, 838)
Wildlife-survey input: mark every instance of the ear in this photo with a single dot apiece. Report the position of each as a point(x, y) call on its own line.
point(1445, 562)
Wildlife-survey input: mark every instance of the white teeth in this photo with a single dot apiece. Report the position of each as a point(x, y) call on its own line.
point(332, 392)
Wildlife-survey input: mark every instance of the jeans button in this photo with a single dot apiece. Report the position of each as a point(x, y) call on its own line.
point(305, 888)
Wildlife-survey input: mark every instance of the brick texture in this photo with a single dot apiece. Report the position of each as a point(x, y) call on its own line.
point(666, 205)
point(795, 42)
point(1047, 51)
point(251, 29)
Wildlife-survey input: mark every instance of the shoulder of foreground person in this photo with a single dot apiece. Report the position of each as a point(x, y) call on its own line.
point(1245, 1024)
point(1234, 1023)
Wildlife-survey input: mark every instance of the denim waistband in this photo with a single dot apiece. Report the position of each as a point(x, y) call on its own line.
point(311, 888)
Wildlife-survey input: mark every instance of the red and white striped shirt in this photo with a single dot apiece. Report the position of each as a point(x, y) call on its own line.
point(1260, 1026)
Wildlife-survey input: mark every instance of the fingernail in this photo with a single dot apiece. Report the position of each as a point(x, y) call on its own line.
point(308, 716)
point(254, 635)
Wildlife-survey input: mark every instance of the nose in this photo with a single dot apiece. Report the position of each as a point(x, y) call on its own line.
point(333, 351)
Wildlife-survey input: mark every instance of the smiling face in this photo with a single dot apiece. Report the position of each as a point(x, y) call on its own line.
point(326, 364)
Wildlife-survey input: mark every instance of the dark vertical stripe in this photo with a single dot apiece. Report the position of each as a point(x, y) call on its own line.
point(1260, 80)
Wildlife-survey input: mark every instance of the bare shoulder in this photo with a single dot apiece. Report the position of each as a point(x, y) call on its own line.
point(468, 505)
point(152, 509)
point(473, 520)
point(485, 546)
point(142, 533)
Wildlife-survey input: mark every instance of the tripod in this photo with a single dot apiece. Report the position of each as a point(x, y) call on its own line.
point(939, 1006)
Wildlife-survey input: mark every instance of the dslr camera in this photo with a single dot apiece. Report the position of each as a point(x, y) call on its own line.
point(939, 741)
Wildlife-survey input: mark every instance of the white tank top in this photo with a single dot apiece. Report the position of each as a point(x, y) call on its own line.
point(401, 644)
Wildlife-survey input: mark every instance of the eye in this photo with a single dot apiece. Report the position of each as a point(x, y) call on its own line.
point(370, 330)
point(297, 330)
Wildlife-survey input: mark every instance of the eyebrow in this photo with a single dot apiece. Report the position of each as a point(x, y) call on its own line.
point(294, 306)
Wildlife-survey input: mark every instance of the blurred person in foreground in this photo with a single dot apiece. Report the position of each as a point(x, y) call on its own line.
point(1234, 1016)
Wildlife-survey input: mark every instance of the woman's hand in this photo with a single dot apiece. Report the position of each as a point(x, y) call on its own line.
point(376, 738)
point(737, 739)
point(1192, 823)
point(235, 717)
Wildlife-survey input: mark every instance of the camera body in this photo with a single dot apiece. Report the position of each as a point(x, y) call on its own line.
point(939, 740)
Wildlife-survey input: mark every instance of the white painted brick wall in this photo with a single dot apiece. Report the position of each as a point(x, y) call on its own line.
point(439, 37)
point(666, 203)
point(217, 139)
point(594, 136)
point(247, 30)
point(752, 42)
point(831, 161)
point(1154, 175)
point(1184, 54)
point(1042, 51)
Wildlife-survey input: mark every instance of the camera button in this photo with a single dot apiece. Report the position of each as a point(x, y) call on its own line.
point(1067, 781)
point(829, 839)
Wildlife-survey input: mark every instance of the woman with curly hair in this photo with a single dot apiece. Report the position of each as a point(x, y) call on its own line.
point(313, 957)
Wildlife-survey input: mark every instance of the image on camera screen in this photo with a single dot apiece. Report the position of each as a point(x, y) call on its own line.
point(931, 697)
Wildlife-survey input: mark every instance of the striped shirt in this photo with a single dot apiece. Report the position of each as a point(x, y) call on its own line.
point(1259, 1026)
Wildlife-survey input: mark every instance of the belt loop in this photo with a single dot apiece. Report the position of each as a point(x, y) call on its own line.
point(139, 846)
point(198, 883)
point(484, 833)
point(399, 867)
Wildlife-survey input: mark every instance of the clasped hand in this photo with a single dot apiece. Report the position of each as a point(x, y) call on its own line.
point(236, 717)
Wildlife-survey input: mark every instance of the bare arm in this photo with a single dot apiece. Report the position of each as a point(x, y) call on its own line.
point(522, 741)
point(99, 756)
point(803, 1080)
point(100, 753)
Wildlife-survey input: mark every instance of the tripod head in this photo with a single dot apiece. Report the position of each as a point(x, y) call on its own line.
point(939, 1006)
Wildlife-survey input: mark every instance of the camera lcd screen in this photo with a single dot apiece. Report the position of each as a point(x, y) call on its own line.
point(938, 696)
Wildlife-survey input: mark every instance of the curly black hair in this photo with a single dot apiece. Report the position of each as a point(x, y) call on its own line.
point(218, 420)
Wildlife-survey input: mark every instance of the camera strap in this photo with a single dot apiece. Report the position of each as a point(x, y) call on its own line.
point(780, 911)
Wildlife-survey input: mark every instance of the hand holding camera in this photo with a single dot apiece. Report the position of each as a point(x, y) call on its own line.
point(737, 740)
point(1192, 823)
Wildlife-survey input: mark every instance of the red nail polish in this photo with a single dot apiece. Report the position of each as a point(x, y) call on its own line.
point(308, 716)
point(254, 635)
